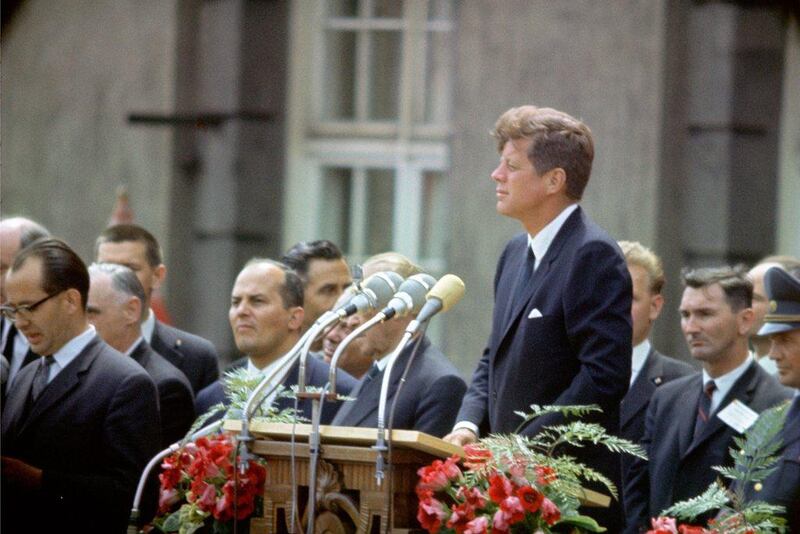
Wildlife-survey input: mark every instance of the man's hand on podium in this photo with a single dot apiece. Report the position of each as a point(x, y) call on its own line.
point(461, 437)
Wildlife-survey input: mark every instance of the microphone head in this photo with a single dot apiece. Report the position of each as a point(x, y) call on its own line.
point(449, 289)
point(410, 296)
point(376, 291)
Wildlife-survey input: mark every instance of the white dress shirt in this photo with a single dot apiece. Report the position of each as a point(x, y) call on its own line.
point(725, 382)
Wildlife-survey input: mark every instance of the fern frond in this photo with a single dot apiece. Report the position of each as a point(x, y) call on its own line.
point(713, 498)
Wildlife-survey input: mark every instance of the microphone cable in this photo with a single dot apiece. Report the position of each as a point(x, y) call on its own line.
point(390, 485)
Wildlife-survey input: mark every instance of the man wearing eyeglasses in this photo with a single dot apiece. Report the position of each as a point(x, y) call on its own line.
point(15, 233)
point(81, 423)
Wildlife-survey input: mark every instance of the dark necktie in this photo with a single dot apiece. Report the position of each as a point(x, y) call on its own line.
point(525, 275)
point(8, 349)
point(41, 376)
point(704, 408)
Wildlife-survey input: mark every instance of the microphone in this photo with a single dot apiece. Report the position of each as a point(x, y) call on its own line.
point(375, 292)
point(410, 296)
point(447, 291)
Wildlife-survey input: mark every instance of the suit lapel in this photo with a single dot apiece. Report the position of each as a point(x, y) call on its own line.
point(14, 408)
point(642, 388)
point(140, 354)
point(66, 380)
point(519, 305)
point(162, 346)
point(686, 412)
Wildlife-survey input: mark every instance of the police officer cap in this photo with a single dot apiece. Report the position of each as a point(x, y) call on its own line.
point(783, 292)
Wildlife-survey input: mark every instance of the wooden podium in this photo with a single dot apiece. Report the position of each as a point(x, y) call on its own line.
point(349, 500)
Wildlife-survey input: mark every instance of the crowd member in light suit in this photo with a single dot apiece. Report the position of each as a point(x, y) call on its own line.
point(782, 326)
point(116, 309)
point(562, 293)
point(686, 432)
point(429, 399)
point(80, 424)
point(137, 249)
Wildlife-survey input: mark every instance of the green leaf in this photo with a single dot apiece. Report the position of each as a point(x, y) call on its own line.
point(172, 523)
point(581, 521)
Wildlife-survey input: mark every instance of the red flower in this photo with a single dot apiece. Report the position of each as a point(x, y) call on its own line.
point(430, 514)
point(663, 525)
point(208, 498)
point(691, 529)
point(514, 512)
point(479, 525)
point(166, 499)
point(499, 488)
point(461, 515)
point(530, 499)
point(438, 475)
point(545, 475)
point(472, 496)
point(550, 512)
point(476, 456)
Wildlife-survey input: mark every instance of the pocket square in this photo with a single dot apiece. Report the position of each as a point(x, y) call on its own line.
point(534, 314)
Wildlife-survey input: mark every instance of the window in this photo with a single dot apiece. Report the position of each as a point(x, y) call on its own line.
point(369, 114)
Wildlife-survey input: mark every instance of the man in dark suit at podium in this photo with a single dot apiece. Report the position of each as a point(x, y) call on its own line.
point(137, 249)
point(81, 423)
point(562, 292)
point(266, 316)
point(433, 389)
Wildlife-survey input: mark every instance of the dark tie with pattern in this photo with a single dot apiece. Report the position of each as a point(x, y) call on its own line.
point(704, 408)
point(525, 275)
point(41, 377)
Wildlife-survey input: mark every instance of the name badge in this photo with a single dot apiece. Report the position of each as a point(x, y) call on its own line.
point(738, 416)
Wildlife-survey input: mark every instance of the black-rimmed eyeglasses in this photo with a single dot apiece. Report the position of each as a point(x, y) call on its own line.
point(12, 313)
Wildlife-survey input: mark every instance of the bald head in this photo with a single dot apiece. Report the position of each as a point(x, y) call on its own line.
point(16, 233)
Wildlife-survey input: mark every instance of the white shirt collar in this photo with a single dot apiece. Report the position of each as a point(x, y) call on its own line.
point(639, 357)
point(541, 241)
point(725, 382)
point(70, 351)
point(149, 325)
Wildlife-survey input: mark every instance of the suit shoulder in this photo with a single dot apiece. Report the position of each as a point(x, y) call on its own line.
point(111, 362)
point(769, 391)
point(672, 367)
point(163, 371)
point(677, 387)
point(434, 364)
point(210, 395)
point(320, 371)
point(173, 337)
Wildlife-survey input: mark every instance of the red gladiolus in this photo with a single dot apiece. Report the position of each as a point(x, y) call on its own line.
point(166, 499)
point(430, 514)
point(461, 515)
point(472, 496)
point(514, 512)
point(690, 529)
point(476, 456)
point(550, 512)
point(530, 499)
point(499, 488)
point(208, 498)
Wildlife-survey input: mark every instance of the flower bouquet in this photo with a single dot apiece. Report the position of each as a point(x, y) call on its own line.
point(516, 484)
point(755, 458)
point(204, 485)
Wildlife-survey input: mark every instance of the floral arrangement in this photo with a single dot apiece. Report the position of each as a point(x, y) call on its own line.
point(515, 483)
point(755, 458)
point(205, 483)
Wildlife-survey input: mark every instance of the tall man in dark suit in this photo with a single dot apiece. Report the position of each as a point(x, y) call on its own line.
point(79, 425)
point(782, 326)
point(266, 316)
point(562, 291)
point(690, 423)
point(116, 309)
point(137, 249)
point(649, 368)
point(16, 233)
point(433, 389)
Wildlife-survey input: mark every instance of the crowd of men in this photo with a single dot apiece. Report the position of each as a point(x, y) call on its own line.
point(94, 385)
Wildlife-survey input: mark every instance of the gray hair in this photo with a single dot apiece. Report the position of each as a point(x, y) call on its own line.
point(123, 280)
